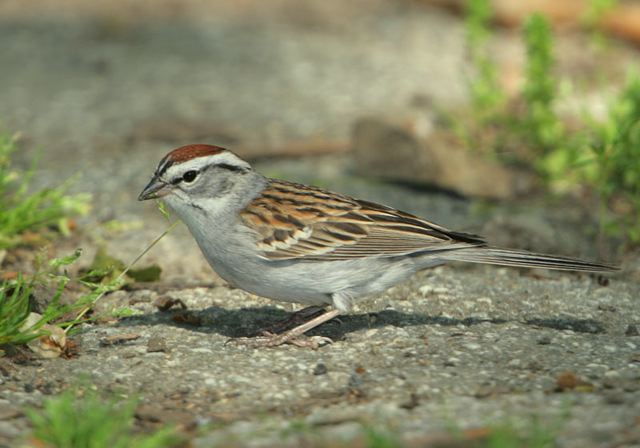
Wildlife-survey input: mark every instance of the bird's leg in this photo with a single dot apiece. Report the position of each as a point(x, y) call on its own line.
point(293, 336)
point(294, 319)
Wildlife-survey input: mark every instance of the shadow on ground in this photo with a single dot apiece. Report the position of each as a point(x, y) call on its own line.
point(249, 322)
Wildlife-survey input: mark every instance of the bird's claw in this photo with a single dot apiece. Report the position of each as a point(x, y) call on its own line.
point(268, 339)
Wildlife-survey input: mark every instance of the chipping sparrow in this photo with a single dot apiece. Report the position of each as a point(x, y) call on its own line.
point(303, 244)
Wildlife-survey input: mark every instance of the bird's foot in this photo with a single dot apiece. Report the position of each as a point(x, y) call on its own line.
point(294, 319)
point(294, 336)
point(268, 339)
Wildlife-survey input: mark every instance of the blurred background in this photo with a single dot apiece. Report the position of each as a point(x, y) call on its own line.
point(516, 119)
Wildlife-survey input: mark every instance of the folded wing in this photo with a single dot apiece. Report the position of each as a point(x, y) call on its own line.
point(300, 222)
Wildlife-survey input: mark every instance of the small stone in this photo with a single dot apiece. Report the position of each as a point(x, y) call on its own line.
point(320, 369)
point(484, 392)
point(614, 398)
point(119, 338)
point(149, 413)
point(514, 363)
point(411, 403)
point(612, 374)
point(157, 344)
point(9, 413)
point(544, 340)
point(165, 303)
point(425, 290)
point(570, 381)
point(534, 366)
point(632, 330)
point(355, 381)
point(607, 307)
point(566, 381)
point(602, 280)
point(9, 430)
point(187, 317)
point(451, 362)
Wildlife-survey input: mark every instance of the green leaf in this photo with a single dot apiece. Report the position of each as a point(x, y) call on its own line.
point(67, 260)
point(146, 274)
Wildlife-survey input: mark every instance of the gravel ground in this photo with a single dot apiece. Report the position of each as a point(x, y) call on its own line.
point(454, 347)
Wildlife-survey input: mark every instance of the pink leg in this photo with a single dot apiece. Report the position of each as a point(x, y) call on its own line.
point(293, 336)
point(297, 318)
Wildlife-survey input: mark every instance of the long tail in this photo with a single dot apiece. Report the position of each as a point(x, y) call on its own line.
point(521, 258)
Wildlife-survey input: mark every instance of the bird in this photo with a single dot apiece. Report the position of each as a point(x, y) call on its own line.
point(303, 244)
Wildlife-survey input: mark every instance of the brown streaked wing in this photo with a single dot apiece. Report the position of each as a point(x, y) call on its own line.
point(301, 222)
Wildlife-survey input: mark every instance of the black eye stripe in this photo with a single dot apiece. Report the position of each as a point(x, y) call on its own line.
point(191, 175)
point(226, 166)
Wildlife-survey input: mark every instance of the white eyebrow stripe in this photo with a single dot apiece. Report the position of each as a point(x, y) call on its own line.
point(199, 163)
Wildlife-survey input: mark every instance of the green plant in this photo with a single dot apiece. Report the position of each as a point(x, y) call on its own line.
point(596, 10)
point(486, 94)
point(534, 435)
point(75, 420)
point(15, 296)
point(615, 168)
point(604, 157)
point(380, 438)
point(530, 431)
point(540, 126)
point(593, 17)
point(14, 310)
point(21, 210)
point(15, 304)
point(15, 300)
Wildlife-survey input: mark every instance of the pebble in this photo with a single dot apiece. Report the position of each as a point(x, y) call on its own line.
point(370, 333)
point(515, 362)
point(9, 429)
point(157, 344)
point(612, 374)
point(632, 330)
point(614, 398)
point(544, 340)
point(451, 362)
point(201, 350)
point(320, 369)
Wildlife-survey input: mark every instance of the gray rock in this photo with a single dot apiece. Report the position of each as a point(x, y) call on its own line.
point(385, 149)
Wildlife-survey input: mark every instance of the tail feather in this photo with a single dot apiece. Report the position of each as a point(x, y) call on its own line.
point(521, 258)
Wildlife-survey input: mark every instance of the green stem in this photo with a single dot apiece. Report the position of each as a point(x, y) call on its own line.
point(86, 309)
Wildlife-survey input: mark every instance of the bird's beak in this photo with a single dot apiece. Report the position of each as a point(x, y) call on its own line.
point(155, 189)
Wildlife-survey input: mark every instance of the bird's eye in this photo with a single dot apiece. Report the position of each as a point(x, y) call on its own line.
point(190, 176)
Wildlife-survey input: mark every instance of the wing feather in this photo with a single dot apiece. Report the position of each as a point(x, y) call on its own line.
point(295, 221)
